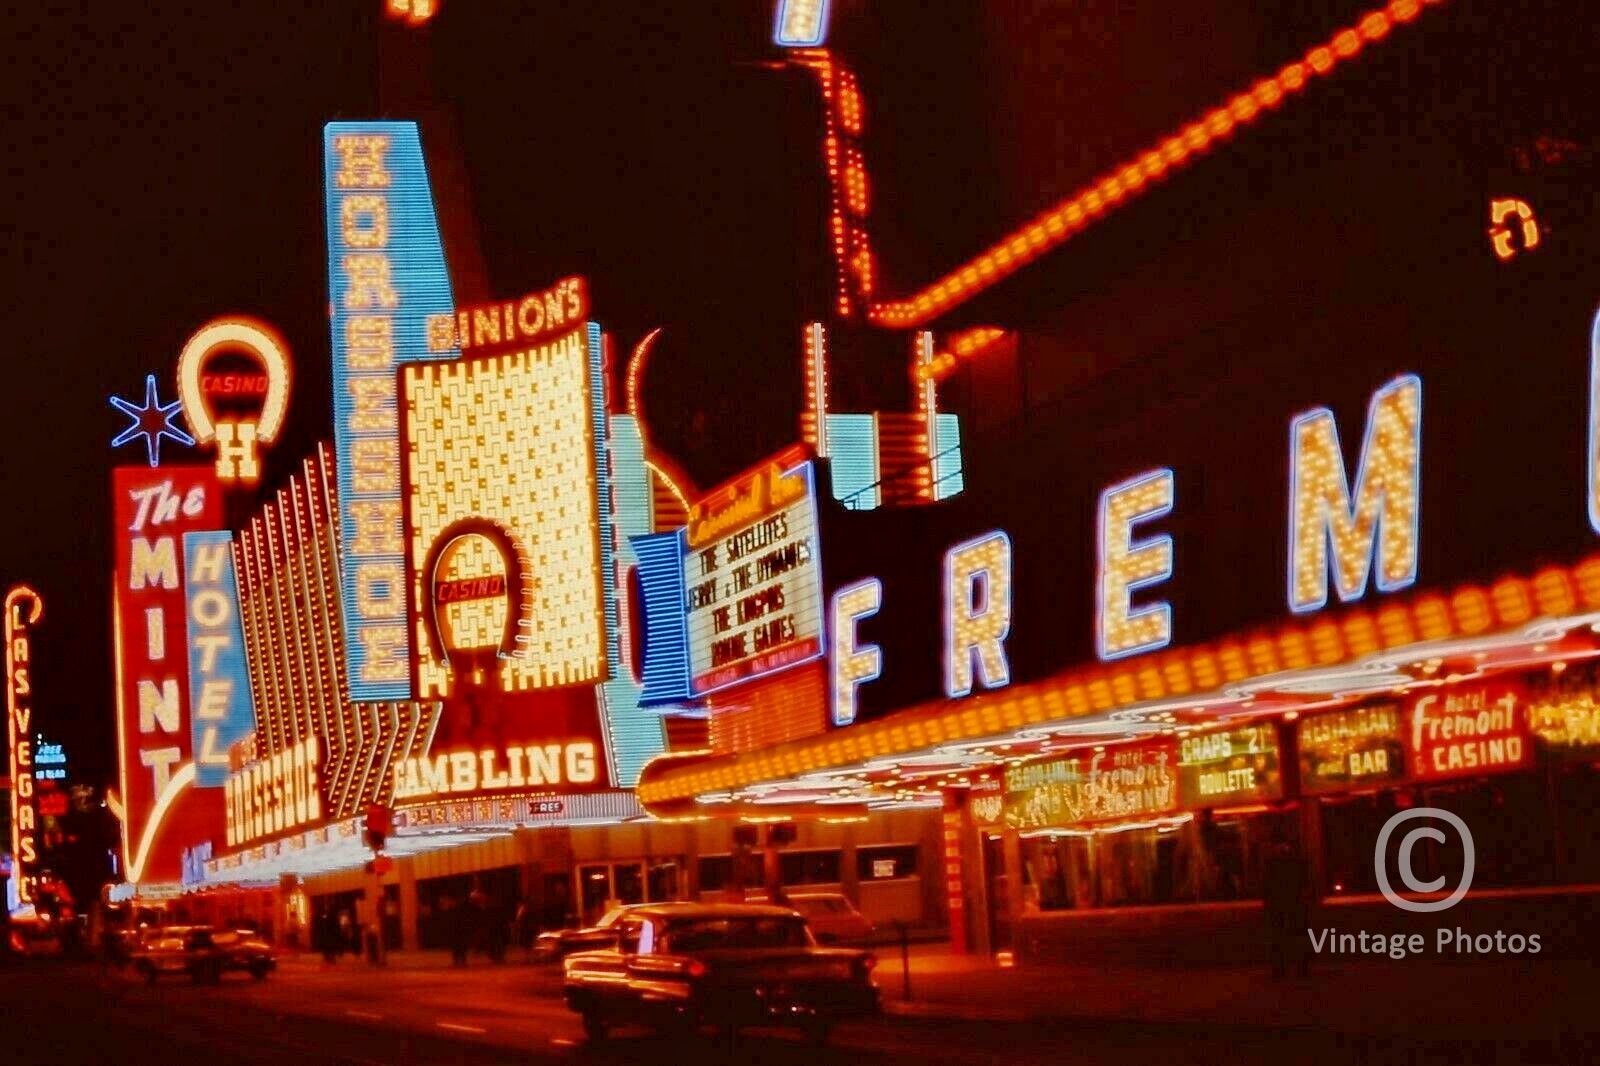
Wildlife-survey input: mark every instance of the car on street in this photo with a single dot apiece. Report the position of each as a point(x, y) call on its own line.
point(201, 953)
point(684, 966)
point(832, 917)
point(556, 944)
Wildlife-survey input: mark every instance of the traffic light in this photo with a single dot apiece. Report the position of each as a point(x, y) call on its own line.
point(379, 824)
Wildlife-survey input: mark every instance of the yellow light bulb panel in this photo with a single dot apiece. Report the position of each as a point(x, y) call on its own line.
point(509, 439)
point(1330, 531)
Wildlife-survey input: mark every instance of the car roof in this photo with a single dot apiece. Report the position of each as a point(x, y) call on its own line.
point(816, 895)
point(714, 910)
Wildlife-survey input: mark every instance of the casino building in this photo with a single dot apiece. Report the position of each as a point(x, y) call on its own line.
point(1278, 513)
point(1242, 498)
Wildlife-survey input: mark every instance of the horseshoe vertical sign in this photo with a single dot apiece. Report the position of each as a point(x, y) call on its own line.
point(235, 432)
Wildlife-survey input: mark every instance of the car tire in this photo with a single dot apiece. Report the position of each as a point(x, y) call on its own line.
point(258, 970)
point(595, 1027)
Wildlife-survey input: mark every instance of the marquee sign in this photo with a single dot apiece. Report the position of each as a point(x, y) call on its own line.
point(387, 277)
point(754, 576)
point(24, 610)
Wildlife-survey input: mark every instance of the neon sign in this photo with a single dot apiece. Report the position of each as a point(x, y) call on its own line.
point(288, 577)
point(520, 766)
point(24, 610)
point(1127, 565)
point(1503, 214)
point(387, 276)
point(801, 23)
point(275, 795)
point(853, 664)
point(220, 709)
point(152, 422)
point(153, 509)
point(236, 438)
point(524, 462)
point(1382, 518)
point(511, 322)
point(977, 613)
point(1469, 730)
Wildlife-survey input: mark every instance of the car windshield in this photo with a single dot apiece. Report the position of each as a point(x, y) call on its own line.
point(610, 917)
point(706, 934)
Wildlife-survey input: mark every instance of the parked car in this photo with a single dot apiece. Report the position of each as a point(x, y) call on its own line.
point(687, 965)
point(202, 953)
point(832, 917)
point(557, 944)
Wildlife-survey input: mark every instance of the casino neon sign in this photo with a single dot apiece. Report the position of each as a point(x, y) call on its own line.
point(236, 437)
point(24, 609)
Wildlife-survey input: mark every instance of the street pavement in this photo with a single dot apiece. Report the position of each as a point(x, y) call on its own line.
point(962, 1011)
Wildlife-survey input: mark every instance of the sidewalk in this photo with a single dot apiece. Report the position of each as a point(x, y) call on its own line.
point(1489, 999)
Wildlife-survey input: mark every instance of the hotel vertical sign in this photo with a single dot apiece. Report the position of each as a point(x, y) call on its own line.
point(387, 277)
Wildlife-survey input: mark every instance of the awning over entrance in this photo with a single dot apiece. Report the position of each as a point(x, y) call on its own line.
point(1334, 658)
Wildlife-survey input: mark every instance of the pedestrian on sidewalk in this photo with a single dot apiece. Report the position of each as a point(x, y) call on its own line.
point(327, 937)
point(525, 928)
point(457, 928)
point(1286, 892)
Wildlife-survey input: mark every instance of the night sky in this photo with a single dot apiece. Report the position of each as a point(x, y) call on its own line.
point(165, 168)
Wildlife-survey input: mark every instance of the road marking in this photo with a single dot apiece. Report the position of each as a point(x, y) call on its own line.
point(460, 1028)
point(369, 1016)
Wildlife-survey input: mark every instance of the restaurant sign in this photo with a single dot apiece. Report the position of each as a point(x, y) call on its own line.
point(1350, 748)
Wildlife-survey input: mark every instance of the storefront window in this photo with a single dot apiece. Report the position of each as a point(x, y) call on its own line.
point(716, 872)
point(887, 861)
point(664, 881)
point(1513, 834)
point(809, 867)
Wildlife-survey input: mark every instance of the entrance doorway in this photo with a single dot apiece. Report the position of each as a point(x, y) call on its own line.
point(994, 869)
point(603, 885)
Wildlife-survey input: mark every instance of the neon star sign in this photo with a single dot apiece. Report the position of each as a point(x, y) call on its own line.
point(152, 422)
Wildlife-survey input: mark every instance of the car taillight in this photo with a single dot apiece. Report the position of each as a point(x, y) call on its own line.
point(696, 968)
